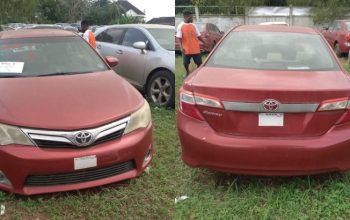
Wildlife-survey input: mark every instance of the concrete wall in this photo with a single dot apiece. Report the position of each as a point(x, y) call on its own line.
point(225, 23)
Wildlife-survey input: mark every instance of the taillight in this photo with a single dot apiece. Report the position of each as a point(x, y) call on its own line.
point(189, 101)
point(347, 37)
point(333, 104)
point(337, 104)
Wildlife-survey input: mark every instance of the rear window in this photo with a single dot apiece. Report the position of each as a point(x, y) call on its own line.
point(273, 51)
point(49, 55)
point(165, 37)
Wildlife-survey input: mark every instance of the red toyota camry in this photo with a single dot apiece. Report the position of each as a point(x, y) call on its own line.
point(67, 120)
point(269, 100)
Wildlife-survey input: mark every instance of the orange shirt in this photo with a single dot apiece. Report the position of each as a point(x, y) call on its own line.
point(188, 33)
point(90, 37)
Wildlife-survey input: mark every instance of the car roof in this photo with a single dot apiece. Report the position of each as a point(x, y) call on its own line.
point(154, 26)
point(276, 28)
point(31, 33)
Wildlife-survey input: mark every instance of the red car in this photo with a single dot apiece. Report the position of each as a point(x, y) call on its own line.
point(338, 36)
point(67, 121)
point(211, 36)
point(269, 100)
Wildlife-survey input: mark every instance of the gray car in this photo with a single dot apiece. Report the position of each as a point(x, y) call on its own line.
point(146, 55)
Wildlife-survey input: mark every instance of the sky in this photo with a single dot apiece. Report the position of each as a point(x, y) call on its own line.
point(155, 8)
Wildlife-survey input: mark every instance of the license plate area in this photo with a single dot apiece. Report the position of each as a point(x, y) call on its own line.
point(271, 119)
point(85, 162)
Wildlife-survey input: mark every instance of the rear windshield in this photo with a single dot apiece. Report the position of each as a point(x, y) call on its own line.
point(46, 56)
point(164, 37)
point(273, 51)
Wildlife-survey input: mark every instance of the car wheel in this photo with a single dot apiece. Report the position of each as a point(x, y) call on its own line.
point(337, 50)
point(161, 88)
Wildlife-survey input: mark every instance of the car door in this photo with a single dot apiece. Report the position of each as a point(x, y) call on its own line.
point(108, 41)
point(327, 33)
point(132, 61)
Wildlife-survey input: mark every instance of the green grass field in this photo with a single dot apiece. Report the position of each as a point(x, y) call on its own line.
point(212, 195)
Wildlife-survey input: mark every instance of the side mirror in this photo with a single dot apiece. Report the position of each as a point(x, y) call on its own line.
point(112, 61)
point(140, 45)
point(221, 32)
point(326, 28)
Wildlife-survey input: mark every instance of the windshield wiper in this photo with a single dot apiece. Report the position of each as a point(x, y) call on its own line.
point(60, 73)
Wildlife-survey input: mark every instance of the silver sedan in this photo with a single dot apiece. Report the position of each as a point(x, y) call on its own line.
point(146, 55)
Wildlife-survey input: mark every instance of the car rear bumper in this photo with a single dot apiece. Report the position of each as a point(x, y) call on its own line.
point(203, 147)
point(124, 157)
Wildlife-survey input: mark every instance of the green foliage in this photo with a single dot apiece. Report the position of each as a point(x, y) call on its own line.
point(99, 12)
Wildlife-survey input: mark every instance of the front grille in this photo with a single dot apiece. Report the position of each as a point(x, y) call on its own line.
point(57, 144)
point(77, 138)
point(79, 176)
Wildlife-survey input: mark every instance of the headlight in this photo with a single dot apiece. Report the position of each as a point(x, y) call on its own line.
point(139, 119)
point(13, 135)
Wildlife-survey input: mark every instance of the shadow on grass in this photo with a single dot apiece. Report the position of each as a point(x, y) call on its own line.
point(241, 182)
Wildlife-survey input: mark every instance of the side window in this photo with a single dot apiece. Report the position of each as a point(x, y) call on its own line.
point(112, 35)
point(133, 35)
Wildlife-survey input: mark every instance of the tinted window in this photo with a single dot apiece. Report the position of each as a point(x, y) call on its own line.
point(164, 37)
point(273, 51)
point(133, 35)
point(112, 35)
point(47, 55)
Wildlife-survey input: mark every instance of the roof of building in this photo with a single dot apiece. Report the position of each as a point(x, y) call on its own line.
point(126, 6)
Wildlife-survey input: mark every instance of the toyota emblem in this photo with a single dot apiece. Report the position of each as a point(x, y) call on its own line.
point(270, 105)
point(83, 138)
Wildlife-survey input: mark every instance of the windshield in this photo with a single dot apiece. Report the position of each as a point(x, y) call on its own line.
point(46, 56)
point(164, 37)
point(273, 51)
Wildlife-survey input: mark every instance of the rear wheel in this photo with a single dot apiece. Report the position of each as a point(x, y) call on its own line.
point(161, 88)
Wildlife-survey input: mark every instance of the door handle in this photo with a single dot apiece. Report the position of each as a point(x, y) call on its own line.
point(119, 52)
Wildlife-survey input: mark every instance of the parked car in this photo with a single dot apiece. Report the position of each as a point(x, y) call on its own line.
point(147, 57)
point(338, 36)
point(270, 100)
point(211, 36)
point(67, 121)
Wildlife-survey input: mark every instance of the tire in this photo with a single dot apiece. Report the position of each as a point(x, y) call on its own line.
point(337, 50)
point(161, 88)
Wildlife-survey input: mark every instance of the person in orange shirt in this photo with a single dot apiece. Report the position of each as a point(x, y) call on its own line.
point(88, 35)
point(189, 36)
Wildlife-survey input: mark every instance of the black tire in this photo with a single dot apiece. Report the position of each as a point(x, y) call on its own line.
point(337, 50)
point(161, 88)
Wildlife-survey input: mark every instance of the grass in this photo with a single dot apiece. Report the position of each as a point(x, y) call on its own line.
point(151, 196)
point(215, 195)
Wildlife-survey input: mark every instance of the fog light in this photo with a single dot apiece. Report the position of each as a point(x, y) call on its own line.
point(4, 180)
point(148, 155)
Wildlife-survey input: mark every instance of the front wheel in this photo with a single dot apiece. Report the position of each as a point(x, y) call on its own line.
point(161, 88)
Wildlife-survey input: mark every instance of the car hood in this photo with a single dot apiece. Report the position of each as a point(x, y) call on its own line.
point(67, 102)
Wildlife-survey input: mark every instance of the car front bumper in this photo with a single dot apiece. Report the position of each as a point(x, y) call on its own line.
point(18, 163)
point(203, 147)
